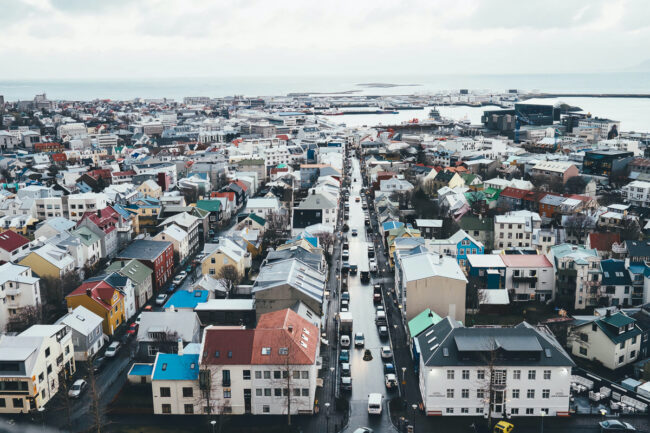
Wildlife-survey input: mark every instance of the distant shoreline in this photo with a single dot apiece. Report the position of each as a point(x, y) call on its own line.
point(387, 85)
point(585, 95)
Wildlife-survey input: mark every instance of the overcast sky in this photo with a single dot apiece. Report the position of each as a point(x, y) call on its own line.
point(160, 38)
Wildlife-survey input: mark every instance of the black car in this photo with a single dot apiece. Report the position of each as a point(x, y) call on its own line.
point(98, 364)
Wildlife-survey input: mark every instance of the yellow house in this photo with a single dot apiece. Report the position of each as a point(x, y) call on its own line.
point(225, 253)
point(102, 299)
point(150, 189)
point(400, 232)
point(49, 261)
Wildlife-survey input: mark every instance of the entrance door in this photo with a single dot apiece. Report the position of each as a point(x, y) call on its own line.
point(496, 406)
point(247, 400)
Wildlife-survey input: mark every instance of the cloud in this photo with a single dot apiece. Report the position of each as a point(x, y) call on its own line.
point(126, 39)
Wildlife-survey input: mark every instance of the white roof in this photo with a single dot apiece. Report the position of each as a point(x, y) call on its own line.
point(485, 260)
point(427, 265)
point(556, 166)
point(494, 297)
point(226, 305)
point(81, 320)
point(12, 272)
point(175, 232)
point(262, 203)
point(428, 223)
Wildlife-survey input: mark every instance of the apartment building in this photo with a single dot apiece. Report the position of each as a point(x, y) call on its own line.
point(637, 193)
point(19, 289)
point(529, 276)
point(79, 204)
point(31, 366)
point(515, 229)
point(157, 255)
point(508, 371)
point(579, 274)
point(563, 170)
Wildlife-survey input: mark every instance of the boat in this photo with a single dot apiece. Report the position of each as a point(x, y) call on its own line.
point(435, 114)
point(332, 112)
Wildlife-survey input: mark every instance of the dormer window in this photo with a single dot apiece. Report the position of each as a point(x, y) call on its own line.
point(621, 329)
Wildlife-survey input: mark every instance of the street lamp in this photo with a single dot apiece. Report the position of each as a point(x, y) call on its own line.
point(415, 408)
point(403, 375)
point(327, 415)
point(213, 423)
point(333, 380)
point(543, 414)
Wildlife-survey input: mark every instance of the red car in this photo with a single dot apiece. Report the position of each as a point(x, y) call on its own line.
point(133, 329)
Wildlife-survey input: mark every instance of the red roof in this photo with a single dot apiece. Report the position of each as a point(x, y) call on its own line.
point(100, 292)
point(11, 241)
point(514, 193)
point(229, 195)
point(285, 329)
point(234, 346)
point(123, 173)
point(106, 219)
point(284, 137)
point(583, 198)
point(526, 261)
point(241, 184)
point(59, 157)
point(604, 241)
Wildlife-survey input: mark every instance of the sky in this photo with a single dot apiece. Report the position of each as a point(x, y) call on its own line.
point(68, 39)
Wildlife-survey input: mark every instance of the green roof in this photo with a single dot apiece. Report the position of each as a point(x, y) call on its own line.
point(422, 321)
point(258, 219)
point(209, 205)
point(618, 320)
point(468, 177)
point(86, 235)
point(475, 223)
point(491, 193)
point(133, 269)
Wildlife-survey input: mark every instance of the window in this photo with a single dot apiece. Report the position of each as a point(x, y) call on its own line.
point(530, 393)
point(547, 374)
point(583, 351)
point(47, 352)
point(3, 403)
point(516, 374)
point(247, 374)
point(464, 410)
point(480, 393)
point(277, 374)
point(632, 354)
point(189, 408)
point(267, 374)
point(449, 410)
point(296, 392)
point(258, 392)
point(621, 359)
point(258, 374)
point(225, 378)
point(465, 374)
point(188, 392)
point(479, 410)
point(165, 392)
point(515, 393)
point(166, 408)
point(266, 408)
point(450, 374)
point(41, 377)
point(480, 374)
point(450, 393)
point(227, 393)
point(267, 392)
point(464, 393)
point(546, 393)
point(305, 392)
point(277, 392)
point(514, 411)
point(531, 374)
point(530, 411)
point(305, 374)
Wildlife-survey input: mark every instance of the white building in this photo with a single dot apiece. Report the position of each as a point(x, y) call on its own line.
point(78, 204)
point(518, 371)
point(87, 334)
point(31, 364)
point(179, 239)
point(263, 207)
point(175, 382)
point(18, 290)
point(72, 130)
point(530, 276)
point(579, 274)
point(515, 229)
point(637, 193)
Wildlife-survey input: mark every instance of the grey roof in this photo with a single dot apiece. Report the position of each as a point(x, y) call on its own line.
point(427, 265)
point(316, 201)
point(314, 260)
point(144, 249)
point(448, 343)
point(295, 273)
point(184, 323)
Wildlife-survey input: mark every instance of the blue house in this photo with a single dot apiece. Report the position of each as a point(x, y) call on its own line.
point(460, 245)
point(489, 268)
point(187, 300)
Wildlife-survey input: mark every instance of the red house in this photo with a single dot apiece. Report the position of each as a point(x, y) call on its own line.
point(157, 255)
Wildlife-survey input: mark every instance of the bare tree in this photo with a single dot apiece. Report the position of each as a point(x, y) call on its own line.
point(491, 381)
point(276, 231)
point(288, 373)
point(229, 277)
point(24, 318)
point(579, 226)
point(96, 411)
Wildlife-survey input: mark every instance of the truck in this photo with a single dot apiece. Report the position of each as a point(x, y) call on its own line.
point(345, 323)
point(364, 272)
point(375, 401)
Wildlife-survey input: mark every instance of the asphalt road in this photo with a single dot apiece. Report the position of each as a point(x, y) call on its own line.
point(367, 376)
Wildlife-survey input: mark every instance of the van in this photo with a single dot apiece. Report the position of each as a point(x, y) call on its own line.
point(374, 403)
point(380, 318)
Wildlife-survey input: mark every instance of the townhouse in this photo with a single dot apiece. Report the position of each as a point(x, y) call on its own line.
point(179, 239)
point(637, 193)
point(530, 277)
point(87, 333)
point(49, 261)
point(579, 275)
point(226, 252)
point(515, 229)
point(102, 299)
point(157, 255)
point(191, 225)
point(562, 170)
point(140, 276)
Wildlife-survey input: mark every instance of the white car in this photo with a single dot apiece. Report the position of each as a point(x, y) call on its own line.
point(77, 388)
point(390, 380)
point(372, 264)
point(386, 353)
point(345, 341)
point(112, 349)
point(179, 278)
point(160, 299)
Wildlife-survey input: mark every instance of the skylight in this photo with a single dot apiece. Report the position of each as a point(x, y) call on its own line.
point(164, 366)
point(283, 351)
point(266, 350)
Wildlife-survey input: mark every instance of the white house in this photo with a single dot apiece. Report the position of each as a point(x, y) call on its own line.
point(31, 363)
point(515, 229)
point(18, 290)
point(87, 334)
point(262, 206)
point(637, 193)
point(530, 276)
point(175, 382)
point(518, 371)
point(78, 204)
point(178, 237)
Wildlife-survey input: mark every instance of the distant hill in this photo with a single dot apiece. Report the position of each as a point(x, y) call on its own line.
point(641, 67)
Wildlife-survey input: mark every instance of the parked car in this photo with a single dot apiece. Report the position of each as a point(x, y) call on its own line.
point(389, 368)
point(503, 427)
point(178, 279)
point(98, 364)
point(77, 388)
point(615, 425)
point(112, 349)
point(345, 341)
point(345, 369)
point(386, 353)
point(355, 232)
point(353, 269)
point(359, 339)
point(344, 356)
point(345, 296)
point(188, 269)
point(372, 264)
point(383, 331)
point(133, 329)
point(363, 430)
point(160, 299)
point(171, 288)
point(138, 319)
point(345, 255)
point(357, 199)
point(345, 303)
point(390, 380)
point(346, 383)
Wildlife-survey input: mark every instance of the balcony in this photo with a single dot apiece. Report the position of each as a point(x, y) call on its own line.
point(525, 278)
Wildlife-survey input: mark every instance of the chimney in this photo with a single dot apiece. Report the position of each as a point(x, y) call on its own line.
point(180, 346)
point(608, 313)
point(89, 291)
point(99, 213)
point(290, 327)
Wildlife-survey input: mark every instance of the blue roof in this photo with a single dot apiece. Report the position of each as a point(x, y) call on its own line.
point(637, 269)
point(176, 367)
point(187, 299)
point(60, 223)
point(121, 210)
point(141, 370)
point(389, 225)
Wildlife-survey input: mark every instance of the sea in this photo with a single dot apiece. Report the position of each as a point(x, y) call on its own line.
point(633, 113)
